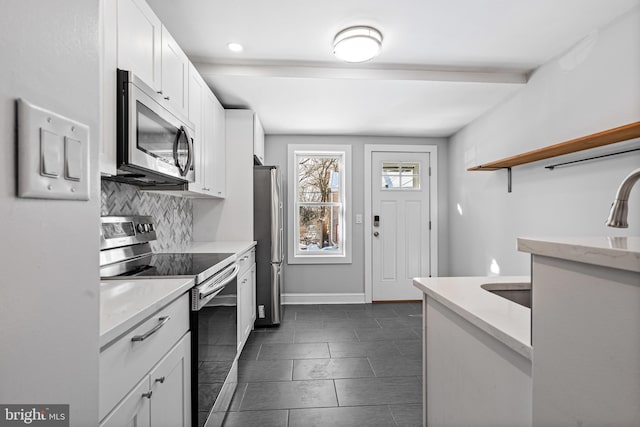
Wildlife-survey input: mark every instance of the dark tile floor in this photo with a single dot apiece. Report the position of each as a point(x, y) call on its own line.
point(333, 365)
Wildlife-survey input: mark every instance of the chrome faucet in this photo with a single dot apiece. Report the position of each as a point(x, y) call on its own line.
point(619, 208)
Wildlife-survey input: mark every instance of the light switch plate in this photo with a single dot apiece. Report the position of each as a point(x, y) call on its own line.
point(53, 155)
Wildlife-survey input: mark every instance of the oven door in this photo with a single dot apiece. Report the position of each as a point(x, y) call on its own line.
point(151, 137)
point(214, 366)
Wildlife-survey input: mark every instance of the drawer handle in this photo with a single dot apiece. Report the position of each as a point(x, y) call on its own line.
point(147, 394)
point(160, 380)
point(153, 330)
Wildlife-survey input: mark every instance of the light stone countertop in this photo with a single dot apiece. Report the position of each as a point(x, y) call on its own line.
point(236, 247)
point(125, 303)
point(616, 252)
point(508, 322)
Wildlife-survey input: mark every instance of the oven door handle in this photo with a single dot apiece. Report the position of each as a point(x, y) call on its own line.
point(220, 286)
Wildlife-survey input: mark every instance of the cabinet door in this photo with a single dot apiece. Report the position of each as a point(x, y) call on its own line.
point(175, 73)
point(109, 60)
point(196, 116)
point(245, 300)
point(258, 139)
point(134, 410)
point(139, 41)
point(171, 387)
point(253, 297)
point(216, 164)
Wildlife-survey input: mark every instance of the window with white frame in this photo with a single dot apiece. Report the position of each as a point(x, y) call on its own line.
point(319, 186)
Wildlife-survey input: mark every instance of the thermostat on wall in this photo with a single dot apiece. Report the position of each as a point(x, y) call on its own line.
point(53, 155)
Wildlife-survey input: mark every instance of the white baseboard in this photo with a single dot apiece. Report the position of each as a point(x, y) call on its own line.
point(322, 299)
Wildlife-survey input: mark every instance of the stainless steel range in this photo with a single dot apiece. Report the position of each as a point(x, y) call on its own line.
point(126, 253)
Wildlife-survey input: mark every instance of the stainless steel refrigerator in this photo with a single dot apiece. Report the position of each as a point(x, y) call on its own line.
point(268, 232)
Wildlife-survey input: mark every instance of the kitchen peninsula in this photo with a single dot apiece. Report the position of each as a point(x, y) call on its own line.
point(510, 365)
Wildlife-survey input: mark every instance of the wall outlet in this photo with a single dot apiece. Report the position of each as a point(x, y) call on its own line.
point(261, 311)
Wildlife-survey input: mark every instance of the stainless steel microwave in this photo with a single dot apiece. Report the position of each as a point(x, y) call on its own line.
point(154, 143)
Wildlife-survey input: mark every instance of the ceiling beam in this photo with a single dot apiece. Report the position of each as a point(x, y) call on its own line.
point(327, 72)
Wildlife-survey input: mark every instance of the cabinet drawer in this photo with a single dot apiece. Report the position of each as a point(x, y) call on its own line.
point(246, 260)
point(126, 361)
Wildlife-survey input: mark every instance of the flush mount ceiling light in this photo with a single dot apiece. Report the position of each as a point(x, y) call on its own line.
point(357, 44)
point(235, 47)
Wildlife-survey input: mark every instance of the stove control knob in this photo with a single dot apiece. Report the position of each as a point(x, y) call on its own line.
point(147, 228)
point(140, 228)
point(150, 227)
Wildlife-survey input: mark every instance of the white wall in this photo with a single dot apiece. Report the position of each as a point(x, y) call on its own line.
point(49, 249)
point(349, 278)
point(594, 87)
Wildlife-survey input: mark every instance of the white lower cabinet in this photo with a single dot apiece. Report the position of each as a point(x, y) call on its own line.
point(133, 410)
point(246, 296)
point(470, 377)
point(171, 387)
point(145, 376)
point(162, 397)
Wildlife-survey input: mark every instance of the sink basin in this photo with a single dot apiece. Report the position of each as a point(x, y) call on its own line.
point(520, 293)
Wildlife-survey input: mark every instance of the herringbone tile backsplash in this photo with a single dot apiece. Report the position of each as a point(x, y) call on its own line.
point(173, 216)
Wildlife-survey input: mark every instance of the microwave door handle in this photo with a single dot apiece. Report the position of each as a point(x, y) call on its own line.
point(183, 132)
point(189, 150)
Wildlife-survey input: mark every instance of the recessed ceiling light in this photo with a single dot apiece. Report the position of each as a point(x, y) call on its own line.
point(235, 47)
point(357, 44)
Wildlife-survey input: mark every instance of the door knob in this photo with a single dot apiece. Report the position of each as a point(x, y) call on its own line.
point(376, 234)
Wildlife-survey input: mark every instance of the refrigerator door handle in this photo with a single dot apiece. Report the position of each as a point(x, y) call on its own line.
point(276, 217)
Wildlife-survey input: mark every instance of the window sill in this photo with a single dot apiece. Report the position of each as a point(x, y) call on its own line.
point(319, 259)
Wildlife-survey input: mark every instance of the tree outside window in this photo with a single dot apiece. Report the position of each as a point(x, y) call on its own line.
point(318, 204)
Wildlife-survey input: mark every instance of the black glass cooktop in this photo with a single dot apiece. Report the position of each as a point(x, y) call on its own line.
point(169, 265)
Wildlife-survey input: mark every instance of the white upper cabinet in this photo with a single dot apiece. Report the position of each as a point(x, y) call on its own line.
point(139, 47)
point(208, 118)
point(175, 73)
point(109, 64)
point(258, 140)
point(215, 175)
point(131, 39)
point(134, 39)
point(196, 92)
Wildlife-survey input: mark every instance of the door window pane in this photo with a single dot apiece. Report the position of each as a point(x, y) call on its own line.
point(400, 175)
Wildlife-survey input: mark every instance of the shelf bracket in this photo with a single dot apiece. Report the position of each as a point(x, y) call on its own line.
point(508, 180)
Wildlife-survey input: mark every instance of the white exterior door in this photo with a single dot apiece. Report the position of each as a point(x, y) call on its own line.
point(400, 229)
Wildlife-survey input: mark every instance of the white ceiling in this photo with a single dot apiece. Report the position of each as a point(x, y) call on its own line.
point(443, 62)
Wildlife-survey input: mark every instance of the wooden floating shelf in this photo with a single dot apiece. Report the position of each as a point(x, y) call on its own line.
point(611, 136)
